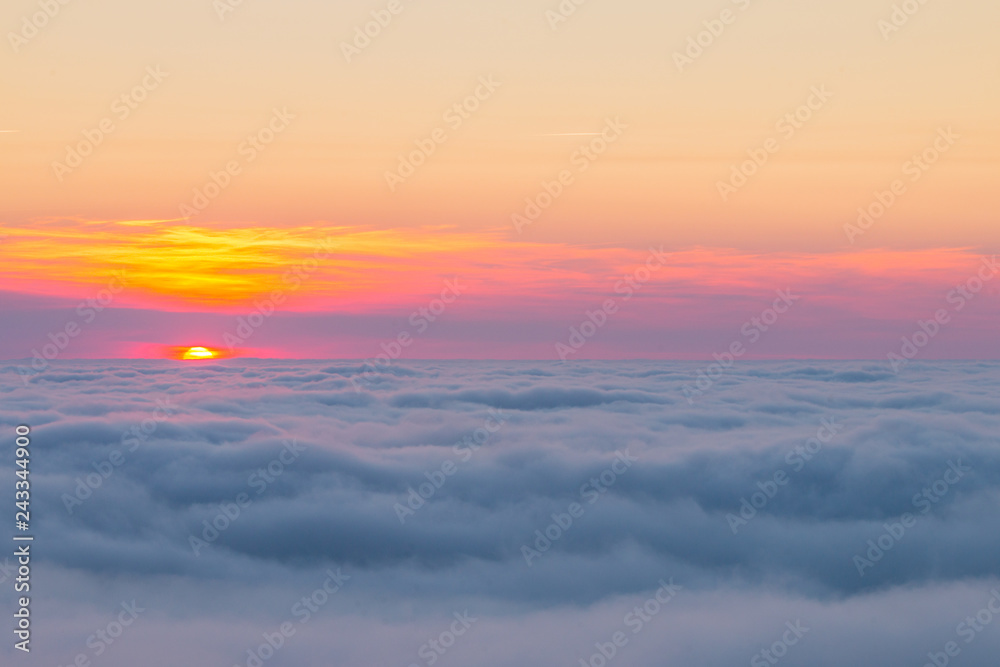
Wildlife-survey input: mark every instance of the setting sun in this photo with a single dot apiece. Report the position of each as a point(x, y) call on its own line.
point(188, 353)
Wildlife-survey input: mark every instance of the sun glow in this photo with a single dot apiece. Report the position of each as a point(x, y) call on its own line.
point(186, 352)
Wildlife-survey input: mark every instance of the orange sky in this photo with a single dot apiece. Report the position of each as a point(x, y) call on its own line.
point(223, 78)
point(207, 154)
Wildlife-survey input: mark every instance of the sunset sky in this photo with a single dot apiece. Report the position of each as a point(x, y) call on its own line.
point(333, 329)
point(214, 158)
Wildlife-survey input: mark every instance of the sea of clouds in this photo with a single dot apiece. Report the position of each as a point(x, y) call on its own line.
point(509, 513)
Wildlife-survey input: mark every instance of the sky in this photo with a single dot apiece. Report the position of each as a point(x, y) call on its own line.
point(512, 314)
point(204, 157)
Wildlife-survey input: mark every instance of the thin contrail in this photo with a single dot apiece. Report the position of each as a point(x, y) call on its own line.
point(7, 131)
point(572, 134)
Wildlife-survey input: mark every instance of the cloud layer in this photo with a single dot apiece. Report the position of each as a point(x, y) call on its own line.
point(534, 494)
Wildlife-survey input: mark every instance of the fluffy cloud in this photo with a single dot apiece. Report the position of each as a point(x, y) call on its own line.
point(500, 487)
